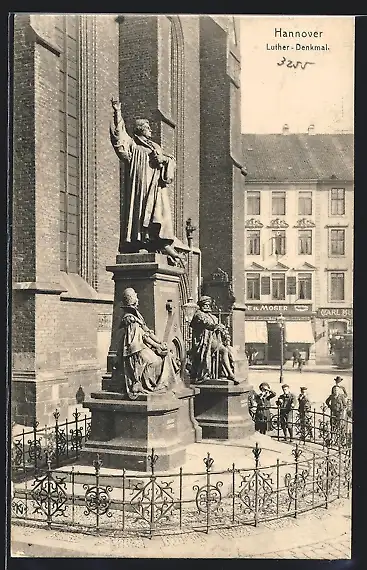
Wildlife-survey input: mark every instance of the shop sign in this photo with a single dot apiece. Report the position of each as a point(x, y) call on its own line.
point(334, 313)
point(269, 309)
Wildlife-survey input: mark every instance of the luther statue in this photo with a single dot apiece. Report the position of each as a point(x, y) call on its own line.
point(147, 223)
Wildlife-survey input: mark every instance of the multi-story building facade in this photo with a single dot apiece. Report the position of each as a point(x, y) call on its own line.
point(299, 241)
point(180, 72)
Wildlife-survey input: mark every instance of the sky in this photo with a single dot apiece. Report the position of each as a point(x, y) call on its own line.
point(322, 93)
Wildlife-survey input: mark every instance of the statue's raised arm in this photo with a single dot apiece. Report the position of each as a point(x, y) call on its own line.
point(120, 139)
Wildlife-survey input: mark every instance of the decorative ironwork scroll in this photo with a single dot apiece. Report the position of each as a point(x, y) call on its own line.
point(49, 495)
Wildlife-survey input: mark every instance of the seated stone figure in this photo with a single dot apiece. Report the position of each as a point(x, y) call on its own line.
point(143, 362)
point(211, 353)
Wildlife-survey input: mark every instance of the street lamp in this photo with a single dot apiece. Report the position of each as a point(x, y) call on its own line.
point(280, 321)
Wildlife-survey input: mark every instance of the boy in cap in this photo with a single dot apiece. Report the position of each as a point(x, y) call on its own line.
point(304, 410)
point(286, 403)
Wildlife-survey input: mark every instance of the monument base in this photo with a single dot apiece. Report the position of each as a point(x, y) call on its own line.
point(124, 432)
point(221, 410)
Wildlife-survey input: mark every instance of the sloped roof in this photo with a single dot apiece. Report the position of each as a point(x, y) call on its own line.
point(297, 157)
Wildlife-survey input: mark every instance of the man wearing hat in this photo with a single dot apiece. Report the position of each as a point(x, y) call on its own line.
point(304, 410)
point(286, 403)
point(338, 381)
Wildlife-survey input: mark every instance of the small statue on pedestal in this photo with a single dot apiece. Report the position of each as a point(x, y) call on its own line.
point(211, 353)
point(143, 361)
point(147, 214)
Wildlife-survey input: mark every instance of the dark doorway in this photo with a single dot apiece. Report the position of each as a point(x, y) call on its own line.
point(273, 343)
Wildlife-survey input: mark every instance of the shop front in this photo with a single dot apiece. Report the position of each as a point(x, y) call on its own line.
point(333, 325)
point(268, 325)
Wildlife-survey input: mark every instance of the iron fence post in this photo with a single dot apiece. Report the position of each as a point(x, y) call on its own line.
point(327, 477)
point(314, 425)
point(180, 499)
point(123, 496)
point(97, 466)
point(208, 464)
point(296, 452)
point(72, 494)
point(49, 476)
point(67, 437)
point(256, 452)
point(85, 428)
point(23, 453)
point(76, 416)
point(339, 469)
point(56, 415)
point(35, 424)
point(152, 459)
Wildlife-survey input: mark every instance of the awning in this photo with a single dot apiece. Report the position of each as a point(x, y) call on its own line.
point(256, 332)
point(299, 331)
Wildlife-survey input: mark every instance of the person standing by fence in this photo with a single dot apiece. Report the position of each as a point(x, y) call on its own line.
point(286, 403)
point(262, 413)
point(337, 403)
point(304, 410)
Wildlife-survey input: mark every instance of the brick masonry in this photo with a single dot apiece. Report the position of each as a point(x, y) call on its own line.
point(57, 342)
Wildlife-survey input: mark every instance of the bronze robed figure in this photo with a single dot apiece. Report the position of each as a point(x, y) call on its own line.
point(147, 222)
point(211, 353)
point(144, 364)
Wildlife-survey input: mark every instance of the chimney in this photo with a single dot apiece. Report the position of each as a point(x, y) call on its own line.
point(311, 129)
point(285, 129)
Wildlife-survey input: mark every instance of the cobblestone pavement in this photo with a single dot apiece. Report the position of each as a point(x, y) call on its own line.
point(319, 534)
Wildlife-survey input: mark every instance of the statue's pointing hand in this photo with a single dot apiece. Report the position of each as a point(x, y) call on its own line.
point(116, 105)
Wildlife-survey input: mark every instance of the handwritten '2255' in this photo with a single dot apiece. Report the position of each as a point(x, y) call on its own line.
point(295, 65)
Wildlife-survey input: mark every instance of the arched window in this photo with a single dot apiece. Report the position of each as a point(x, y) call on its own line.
point(170, 87)
point(67, 31)
point(75, 36)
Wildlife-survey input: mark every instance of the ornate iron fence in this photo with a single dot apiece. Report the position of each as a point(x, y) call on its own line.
point(61, 442)
point(131, 504)
point(90, 499)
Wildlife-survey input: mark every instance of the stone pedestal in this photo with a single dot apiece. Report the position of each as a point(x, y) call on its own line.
point(124, 432)
point(221, 410)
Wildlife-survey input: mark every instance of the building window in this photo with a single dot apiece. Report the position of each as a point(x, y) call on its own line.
point(305, 286)
point(337, 242)
point(278, 286)
point(253, 203)
point(337, 286)
point(67, 34)
point(253, 242)
point(337, 198)
point(278, 242)
point(304, 203)
point(253, 286)
point(305, 242)
point(278, 203)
